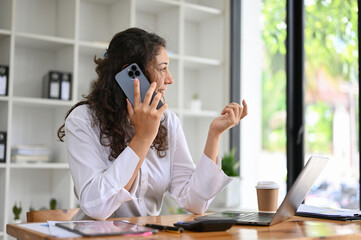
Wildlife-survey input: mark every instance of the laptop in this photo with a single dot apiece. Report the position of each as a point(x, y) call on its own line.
point(290, 204)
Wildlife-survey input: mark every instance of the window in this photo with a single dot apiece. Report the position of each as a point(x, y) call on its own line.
point(331, 99)
point(328, 70)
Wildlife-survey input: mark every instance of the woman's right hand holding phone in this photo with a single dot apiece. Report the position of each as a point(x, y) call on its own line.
point(144, 116)
point(145, 119)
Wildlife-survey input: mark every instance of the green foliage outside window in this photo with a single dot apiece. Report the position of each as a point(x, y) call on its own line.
point(331, 48)
point(319, 126)
point(274, 35)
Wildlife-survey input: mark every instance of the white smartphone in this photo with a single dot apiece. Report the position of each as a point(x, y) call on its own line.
point(125, 79)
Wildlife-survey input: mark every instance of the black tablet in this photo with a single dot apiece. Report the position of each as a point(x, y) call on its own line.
point(105, 228)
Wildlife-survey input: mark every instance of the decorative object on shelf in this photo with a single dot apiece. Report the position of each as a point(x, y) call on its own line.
point(17, 210)
point(4, 80)
point(2, 146)
point(30, 153)
point(52, 204)
point(230, 196)
point(57, 85)
point(196, 103)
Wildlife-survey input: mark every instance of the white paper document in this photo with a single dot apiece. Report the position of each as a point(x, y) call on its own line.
point(38, 227)
point(328, 213)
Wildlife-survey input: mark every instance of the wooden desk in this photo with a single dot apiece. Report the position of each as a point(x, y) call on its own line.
point(295, 228)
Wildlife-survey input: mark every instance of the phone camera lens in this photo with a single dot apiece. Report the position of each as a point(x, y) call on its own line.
point(134, 68)
point(137, 73)
point(131, 74)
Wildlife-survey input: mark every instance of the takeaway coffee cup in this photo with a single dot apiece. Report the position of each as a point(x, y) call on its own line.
point(267, 196)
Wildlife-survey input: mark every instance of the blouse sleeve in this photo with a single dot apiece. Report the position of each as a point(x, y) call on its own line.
point(100, 187)
point(193, 188)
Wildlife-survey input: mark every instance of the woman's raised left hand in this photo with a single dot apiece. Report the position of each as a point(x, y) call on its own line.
point(230, 117)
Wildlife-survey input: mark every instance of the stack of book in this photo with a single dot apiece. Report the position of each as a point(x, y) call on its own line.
point(30, 153)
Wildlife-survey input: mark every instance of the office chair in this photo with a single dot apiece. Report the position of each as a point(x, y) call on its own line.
point(51, 215)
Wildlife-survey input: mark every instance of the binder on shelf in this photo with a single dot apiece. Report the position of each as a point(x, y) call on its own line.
point(57, 85)
point(2, 146)
point(65, 86)
point(52, 85)
point(4, 80)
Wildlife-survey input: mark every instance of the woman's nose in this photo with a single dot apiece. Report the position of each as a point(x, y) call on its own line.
point(169, 79)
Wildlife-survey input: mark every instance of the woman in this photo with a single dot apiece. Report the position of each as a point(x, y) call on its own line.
point(123, 159)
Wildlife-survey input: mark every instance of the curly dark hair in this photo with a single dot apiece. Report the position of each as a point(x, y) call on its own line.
point(106, 99)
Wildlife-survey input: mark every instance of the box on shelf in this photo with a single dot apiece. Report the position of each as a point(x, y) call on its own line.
point(57, 85)
point(30, 153)
point(2, 146)
point(4, 80)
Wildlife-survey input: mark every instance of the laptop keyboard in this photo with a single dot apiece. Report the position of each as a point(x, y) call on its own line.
point(256, 217)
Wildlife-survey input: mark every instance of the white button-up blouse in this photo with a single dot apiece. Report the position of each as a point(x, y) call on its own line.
point(99, 183)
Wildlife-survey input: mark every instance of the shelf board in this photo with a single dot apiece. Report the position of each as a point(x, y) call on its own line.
point(192, 113)
point(172, 2)
point(94, 44)
point(199, 62)
point(201, 113)
point(91, 49)
point(5, 32)
point(199, 13)
point(193, 12)
point(173, 56)
point(4, 98)
point(42, 41)
point(203, 8)
point(155, 6)
point(25, 101)
point(39, 165)
point(105, 2)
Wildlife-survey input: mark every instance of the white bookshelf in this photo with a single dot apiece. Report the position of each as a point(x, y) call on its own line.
point(64, 35)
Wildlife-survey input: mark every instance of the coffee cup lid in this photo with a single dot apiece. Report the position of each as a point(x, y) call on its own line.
point(266, 185)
